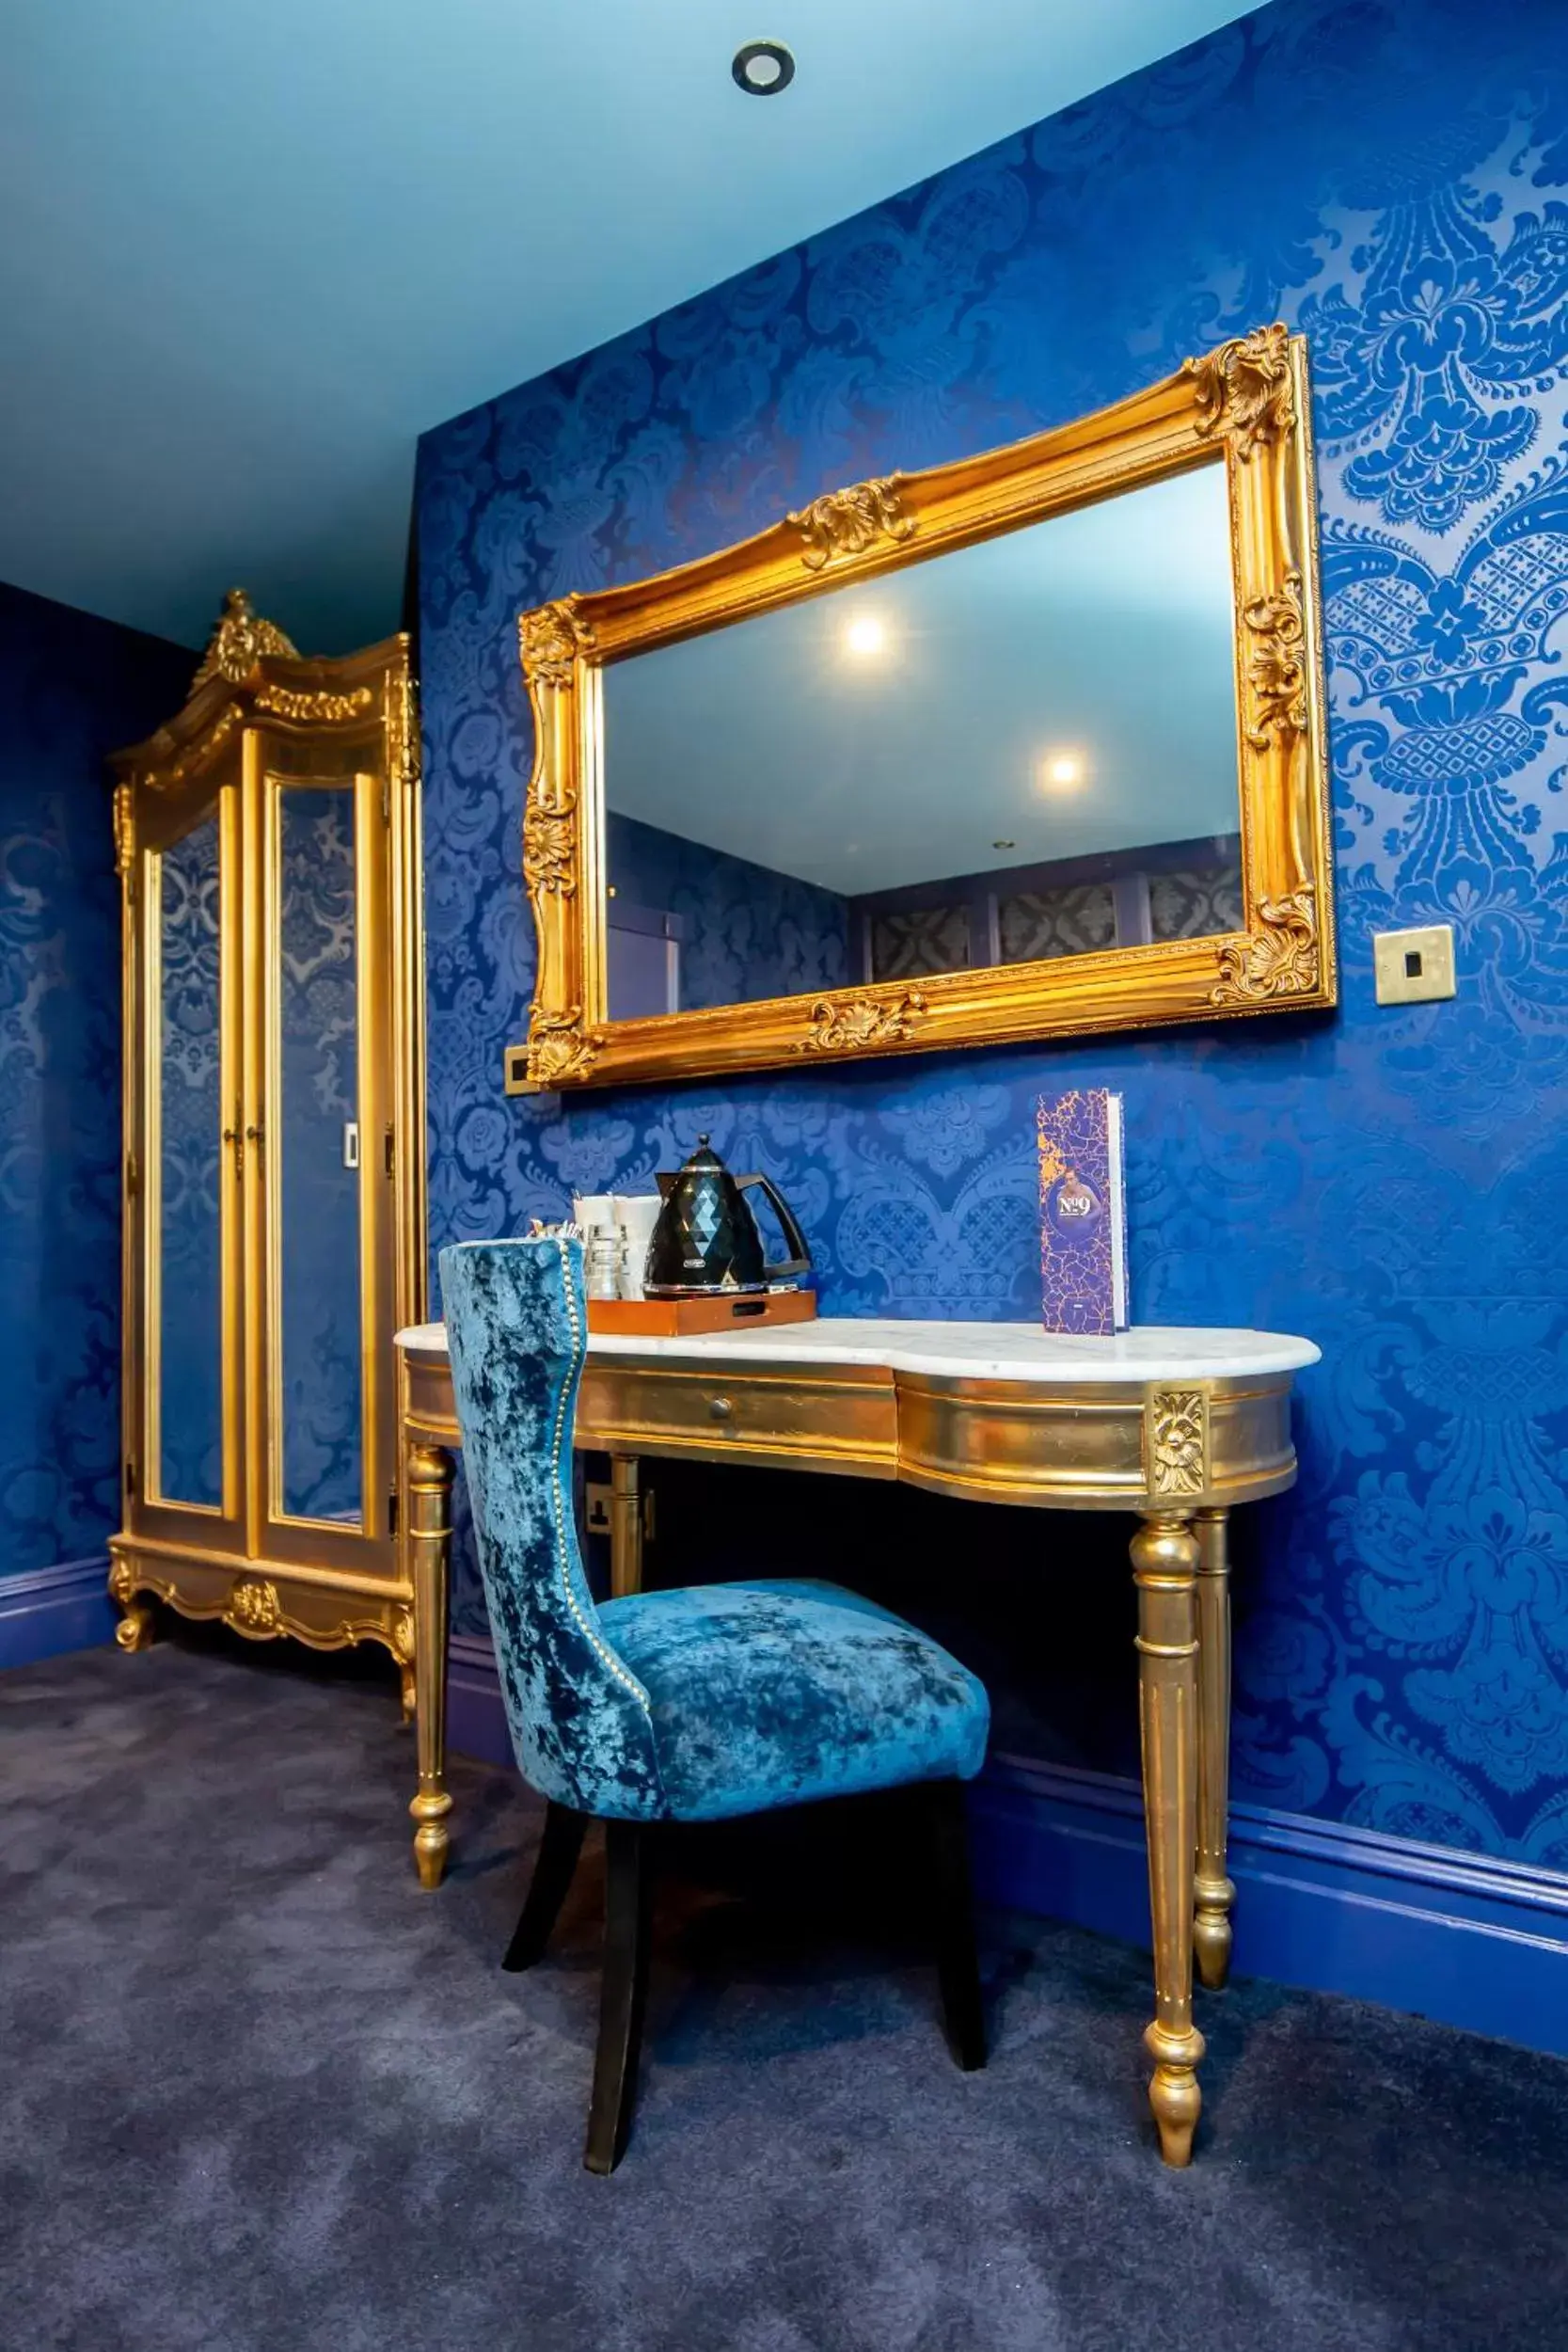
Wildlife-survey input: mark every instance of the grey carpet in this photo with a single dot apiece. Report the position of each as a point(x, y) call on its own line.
point(260, 2091)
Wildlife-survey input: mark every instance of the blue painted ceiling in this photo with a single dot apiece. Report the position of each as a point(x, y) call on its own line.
point(248, 255)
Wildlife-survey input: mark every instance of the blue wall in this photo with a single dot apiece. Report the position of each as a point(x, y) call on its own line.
point(749, 931)
point(72, 688)
point(1390, 176)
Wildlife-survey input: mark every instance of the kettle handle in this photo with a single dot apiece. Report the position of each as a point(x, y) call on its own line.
point(795, 1241)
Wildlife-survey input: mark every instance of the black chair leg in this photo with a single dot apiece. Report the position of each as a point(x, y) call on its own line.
point(958, 1968)
point(628, 1908)
point(559, 1850)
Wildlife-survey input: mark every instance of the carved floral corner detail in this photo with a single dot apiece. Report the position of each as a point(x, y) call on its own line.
point(1245, 393)
point(254, 1606)
point(1175, 1443)
point(122, 1583)
point(863, 1022)
point(1278, 668)
point(403, 1637)
point(287, 701)
point(560, 1048)
point(241, 640)
point(550, 845)
point(549, 640)
point(1281, 959)
point(845, 523)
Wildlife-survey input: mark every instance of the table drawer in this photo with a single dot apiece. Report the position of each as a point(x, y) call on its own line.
point(844, 1420)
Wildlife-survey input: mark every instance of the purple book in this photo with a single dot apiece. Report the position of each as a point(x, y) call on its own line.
point(1083, 1212)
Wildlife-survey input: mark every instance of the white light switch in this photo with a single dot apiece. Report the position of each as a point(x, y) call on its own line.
point(1413, 967)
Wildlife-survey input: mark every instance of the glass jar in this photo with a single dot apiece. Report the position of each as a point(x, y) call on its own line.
point(602, 1255)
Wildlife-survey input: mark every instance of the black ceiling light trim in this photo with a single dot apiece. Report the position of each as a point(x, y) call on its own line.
point(763, 68)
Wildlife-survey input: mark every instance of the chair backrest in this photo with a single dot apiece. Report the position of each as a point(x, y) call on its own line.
point(517, 1331)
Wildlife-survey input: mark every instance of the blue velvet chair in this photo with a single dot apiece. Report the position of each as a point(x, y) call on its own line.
point(686, 1706)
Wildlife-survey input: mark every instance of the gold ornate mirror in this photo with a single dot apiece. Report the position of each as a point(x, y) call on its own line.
point(1025, 746)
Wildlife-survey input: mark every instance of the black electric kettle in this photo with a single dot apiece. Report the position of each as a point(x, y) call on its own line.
point(706, 1237)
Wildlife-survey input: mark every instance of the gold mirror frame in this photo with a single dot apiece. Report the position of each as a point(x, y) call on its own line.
point(1245, 404)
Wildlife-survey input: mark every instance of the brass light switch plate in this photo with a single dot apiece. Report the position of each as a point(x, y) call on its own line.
point(1413, 967)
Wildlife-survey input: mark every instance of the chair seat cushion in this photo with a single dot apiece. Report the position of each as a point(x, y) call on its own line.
point(775, 1693)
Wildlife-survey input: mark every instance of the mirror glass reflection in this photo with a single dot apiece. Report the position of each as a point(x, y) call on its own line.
point(317, 1000)
point(1018, 750)
point(191, 1154)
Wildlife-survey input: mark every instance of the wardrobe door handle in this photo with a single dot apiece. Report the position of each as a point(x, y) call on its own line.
point(258, 1136)
point(719, 1408)
point(233, 1136)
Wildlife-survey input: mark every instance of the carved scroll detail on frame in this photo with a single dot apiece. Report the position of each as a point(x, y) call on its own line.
point(845, 523)
point(549, 640)
point(125, 829)
point(1276, 670)
point(550, 845)
point(1176, 1442)
point(1281, 959)
point(1244, 390)
point(287, 701)
point(402, 723)
point(860, 1022)
point(164, 779)
point(241, 640)
point(560, 1048)
point(253, 1606)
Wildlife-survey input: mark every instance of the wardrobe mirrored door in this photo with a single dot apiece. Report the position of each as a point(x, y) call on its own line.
point(325, 1243)
point(192, 1161)
point(320, 1454)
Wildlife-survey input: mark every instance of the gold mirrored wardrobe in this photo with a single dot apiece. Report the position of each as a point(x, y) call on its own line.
point(268, 844)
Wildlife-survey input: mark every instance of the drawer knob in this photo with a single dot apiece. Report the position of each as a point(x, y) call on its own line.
point(719, 1408)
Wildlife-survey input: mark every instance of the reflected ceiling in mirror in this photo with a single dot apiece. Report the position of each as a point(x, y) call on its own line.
point(1026, 749)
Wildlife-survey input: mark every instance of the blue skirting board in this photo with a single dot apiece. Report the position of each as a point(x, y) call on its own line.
point(47, 1611)
point(1424, 1929)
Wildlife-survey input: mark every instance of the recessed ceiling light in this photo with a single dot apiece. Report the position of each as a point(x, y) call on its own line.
point(1060, 772)
point(763, 68)
point(864, 637)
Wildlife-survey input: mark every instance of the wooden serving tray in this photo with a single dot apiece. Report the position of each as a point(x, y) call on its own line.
point(676, 1318)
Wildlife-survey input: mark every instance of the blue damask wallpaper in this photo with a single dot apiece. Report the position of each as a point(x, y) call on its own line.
point(72, 688)
point(1391, 176)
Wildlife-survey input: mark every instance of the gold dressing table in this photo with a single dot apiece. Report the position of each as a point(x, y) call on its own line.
point(1174, 1425)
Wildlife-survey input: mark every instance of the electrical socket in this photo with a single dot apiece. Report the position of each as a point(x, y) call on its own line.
point(1413, 967)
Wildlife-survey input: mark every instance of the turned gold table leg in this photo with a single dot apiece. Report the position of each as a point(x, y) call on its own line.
point(1213, 1892)
point(625, 1525)
point(428, 1486)
point(1165, 1569)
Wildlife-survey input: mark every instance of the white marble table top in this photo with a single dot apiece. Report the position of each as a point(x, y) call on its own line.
point(960, 1351)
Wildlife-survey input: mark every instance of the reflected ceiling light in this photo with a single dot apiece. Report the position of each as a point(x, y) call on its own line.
point(865, 637)
point(1061, 772)
point(763, 68)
